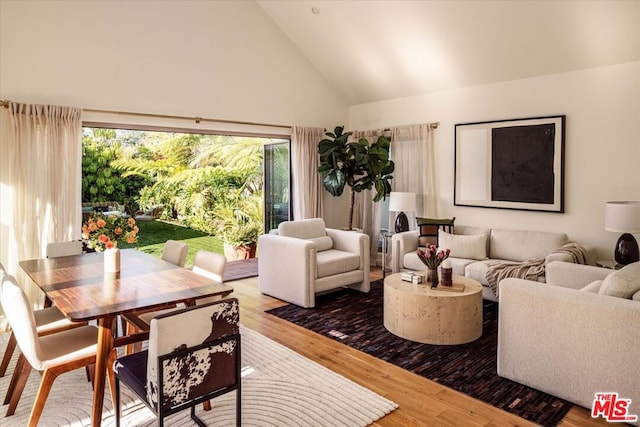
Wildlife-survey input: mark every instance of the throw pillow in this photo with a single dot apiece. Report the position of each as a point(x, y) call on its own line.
point(464, 246)
point(323, 243)
point(622, 283)
point(428, 229)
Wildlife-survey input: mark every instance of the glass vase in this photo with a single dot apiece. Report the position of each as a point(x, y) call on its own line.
point(432, 276)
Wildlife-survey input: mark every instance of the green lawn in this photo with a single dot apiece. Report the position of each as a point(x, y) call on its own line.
point(153, 235)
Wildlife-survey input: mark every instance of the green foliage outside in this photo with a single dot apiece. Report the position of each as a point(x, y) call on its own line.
point(211, 184)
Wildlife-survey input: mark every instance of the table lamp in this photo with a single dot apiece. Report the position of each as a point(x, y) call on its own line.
point(402, 202)
point(624, 217)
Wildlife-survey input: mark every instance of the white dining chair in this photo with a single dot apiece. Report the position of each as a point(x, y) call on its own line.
point(175, 252)
point(52, 355)
point(48, 321)
point(206, 263)
point(58, 249)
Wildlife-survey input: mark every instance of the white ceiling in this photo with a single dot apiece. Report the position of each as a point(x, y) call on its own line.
point(378, 50)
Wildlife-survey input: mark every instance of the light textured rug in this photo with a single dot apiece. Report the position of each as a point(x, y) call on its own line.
point(279, 388)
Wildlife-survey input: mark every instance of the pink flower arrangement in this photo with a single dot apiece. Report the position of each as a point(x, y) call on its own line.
point(103, 232)
point(432, 257)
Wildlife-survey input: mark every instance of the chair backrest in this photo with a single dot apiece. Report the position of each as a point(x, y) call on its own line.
point(20, 316)
point(198, 350)
point(210, 264)
point(303, 229)
point(57, 249)
point(428, 229)
point(175, 252)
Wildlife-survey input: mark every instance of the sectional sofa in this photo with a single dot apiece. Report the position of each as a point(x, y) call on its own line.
point(576, 335)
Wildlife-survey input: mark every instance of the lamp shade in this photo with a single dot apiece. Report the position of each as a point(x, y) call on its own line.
point(622, 217)
point(402, 202)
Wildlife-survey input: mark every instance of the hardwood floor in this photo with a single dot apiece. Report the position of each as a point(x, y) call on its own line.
point(421, 402)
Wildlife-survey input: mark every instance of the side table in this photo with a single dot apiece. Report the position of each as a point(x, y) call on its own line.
point(609, 263)
point(386, 236)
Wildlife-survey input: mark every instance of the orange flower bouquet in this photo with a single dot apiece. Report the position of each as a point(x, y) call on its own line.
point(104, 232)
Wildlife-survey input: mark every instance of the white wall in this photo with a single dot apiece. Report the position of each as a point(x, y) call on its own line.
point(602, 142)
point(213, 59)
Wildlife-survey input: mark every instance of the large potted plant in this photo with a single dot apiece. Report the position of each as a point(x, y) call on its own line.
point(238, 222)
point(359, 164)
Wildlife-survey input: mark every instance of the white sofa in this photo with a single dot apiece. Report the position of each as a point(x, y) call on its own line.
point(472, 249)
point(571, 337)
point(305, 258)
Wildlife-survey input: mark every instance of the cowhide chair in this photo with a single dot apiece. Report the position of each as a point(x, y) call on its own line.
point(193, 356)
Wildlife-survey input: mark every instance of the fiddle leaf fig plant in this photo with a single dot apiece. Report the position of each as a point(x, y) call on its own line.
point(359, 165)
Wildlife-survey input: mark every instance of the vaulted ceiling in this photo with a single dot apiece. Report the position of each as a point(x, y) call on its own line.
point(378, 50)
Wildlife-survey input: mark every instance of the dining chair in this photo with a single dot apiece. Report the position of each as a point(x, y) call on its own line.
point(47, 320)
point(175, 252)
point(193, 356)
point(52, 354)
point(58, 249)
point(205, 263)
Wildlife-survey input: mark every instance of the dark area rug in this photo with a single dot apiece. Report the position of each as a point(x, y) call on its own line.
point(241, 269)
point(356, 319)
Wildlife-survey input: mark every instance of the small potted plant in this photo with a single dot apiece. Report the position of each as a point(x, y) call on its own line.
point(238, 222)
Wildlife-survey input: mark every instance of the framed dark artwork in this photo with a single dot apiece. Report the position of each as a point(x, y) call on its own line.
point(511, 164)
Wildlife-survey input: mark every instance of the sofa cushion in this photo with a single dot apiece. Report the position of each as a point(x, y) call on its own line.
point(464, 246)
point(516, 245)
point(593, 287)
point(623, 283)
point(303, 229)
point(322, 243)
point(332, 262)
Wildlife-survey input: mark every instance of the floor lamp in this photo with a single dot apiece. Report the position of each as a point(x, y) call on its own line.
point(624, 217)
point(402, 202)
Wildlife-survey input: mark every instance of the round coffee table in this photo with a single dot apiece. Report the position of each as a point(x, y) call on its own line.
point(419, 313)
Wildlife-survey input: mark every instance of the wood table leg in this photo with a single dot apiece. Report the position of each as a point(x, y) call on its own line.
point(105, 345)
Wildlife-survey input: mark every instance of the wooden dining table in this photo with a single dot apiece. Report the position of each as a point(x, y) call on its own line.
point(82, 291)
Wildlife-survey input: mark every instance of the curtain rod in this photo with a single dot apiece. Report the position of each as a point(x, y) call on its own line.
point(432, 125)
point(6, 103)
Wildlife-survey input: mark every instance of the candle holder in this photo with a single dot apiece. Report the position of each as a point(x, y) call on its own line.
point(446, 278)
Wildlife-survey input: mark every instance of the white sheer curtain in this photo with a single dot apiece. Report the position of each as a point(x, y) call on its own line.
point(366, 212)
point(40, 183)
point(412, 150)
point(307, 185)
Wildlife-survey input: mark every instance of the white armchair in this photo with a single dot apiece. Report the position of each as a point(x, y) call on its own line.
point(306, 258)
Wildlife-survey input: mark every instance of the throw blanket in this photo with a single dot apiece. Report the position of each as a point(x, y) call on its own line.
point(531, 269)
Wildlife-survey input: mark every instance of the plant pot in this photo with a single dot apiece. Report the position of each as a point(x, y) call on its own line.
point(234, 253)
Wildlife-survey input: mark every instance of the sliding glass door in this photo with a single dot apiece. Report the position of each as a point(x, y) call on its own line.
point(277, 184)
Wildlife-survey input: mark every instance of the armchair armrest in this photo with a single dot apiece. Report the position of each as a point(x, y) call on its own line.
point(576, 276)
point(402, 243)
point(296, 284)
point(351, 241)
